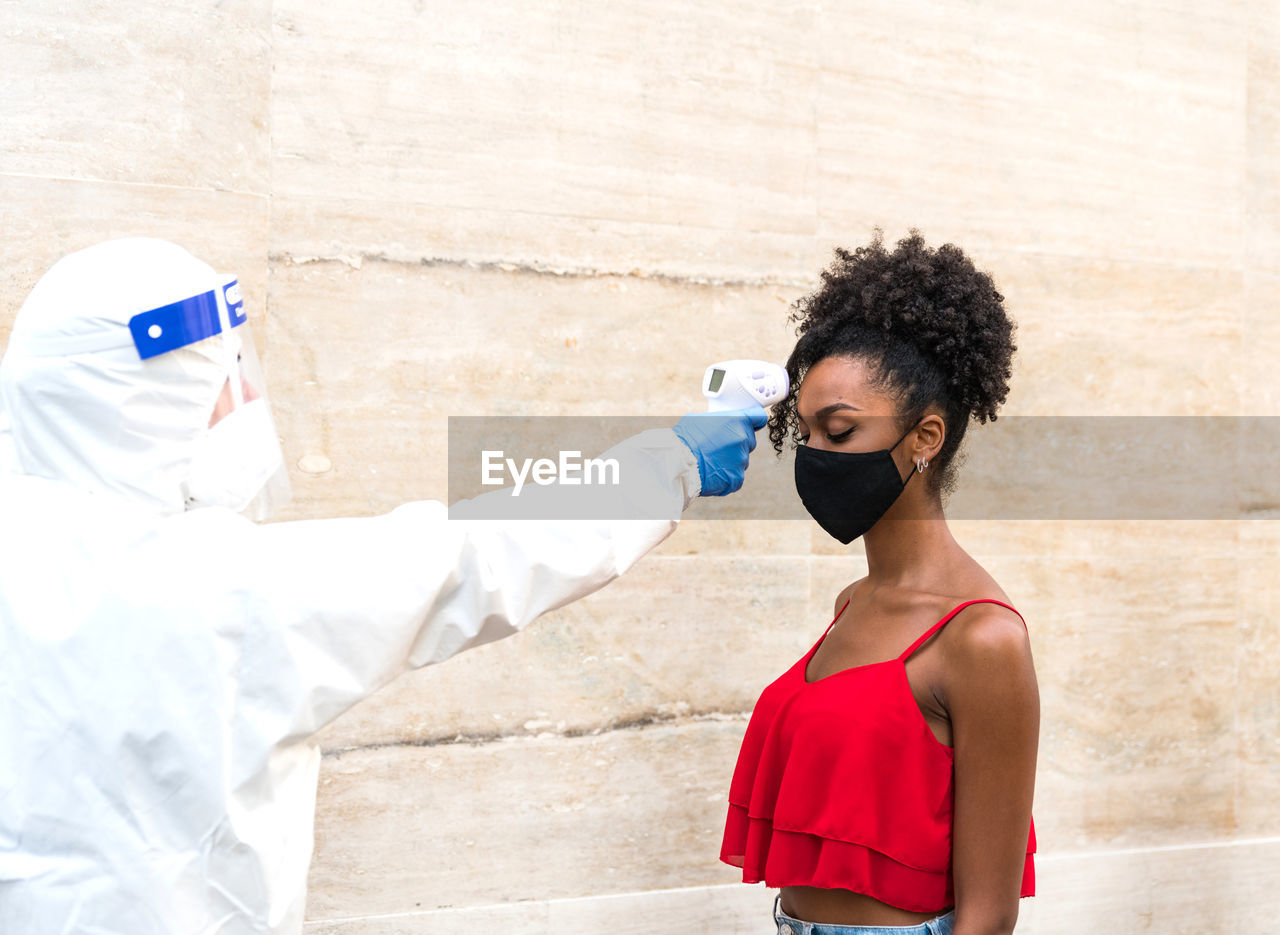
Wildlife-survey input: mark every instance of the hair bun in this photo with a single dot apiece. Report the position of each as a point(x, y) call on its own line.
point(932, 299)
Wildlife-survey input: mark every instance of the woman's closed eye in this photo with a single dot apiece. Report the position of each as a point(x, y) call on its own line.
point(804, 440)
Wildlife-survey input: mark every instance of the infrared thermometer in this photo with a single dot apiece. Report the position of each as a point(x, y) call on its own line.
point(741, 384)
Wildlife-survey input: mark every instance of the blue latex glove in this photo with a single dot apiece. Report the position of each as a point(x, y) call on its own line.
point(722, 442)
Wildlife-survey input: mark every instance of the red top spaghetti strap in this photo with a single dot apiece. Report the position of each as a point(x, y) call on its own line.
point(840, 783)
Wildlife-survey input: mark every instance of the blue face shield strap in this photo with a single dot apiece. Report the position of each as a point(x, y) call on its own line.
point(181, 323)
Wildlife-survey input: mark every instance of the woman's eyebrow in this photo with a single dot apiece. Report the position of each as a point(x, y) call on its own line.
point(834, 407)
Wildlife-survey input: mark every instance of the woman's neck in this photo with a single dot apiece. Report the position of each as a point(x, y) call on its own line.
point(899, 551)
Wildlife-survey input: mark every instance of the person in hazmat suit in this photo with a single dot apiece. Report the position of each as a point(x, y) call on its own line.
point(164, 659)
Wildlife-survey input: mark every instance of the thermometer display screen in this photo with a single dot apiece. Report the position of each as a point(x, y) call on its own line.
point(717, 377)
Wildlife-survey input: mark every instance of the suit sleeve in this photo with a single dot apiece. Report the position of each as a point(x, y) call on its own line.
point(336, 608)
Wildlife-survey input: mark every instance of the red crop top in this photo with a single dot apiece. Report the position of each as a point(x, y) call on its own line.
point(840, 783)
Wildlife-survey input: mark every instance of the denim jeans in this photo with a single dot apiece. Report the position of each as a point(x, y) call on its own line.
point(942, 925)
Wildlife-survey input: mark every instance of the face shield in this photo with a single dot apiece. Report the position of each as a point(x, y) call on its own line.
point(237, 462)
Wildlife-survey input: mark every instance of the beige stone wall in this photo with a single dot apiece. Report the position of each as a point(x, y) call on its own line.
point(563, 207)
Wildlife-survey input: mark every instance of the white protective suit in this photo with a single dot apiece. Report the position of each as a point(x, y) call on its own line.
point(162, 672)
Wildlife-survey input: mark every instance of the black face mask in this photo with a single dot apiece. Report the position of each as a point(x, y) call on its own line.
point(848, 491)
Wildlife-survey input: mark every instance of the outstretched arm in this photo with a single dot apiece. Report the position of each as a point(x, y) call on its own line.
point(336, 608)
point(321, 613)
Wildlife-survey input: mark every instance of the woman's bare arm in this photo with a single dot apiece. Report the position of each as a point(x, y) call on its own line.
point(994, 704)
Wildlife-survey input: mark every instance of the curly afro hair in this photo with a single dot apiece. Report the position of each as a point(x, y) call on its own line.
point(931, 326)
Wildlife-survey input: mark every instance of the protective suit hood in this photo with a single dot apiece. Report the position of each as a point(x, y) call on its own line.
point(81, 404)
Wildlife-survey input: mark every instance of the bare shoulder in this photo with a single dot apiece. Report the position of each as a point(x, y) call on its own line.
point(988, 682)
point(843, 597)
point(988, 638)
point(985, 630)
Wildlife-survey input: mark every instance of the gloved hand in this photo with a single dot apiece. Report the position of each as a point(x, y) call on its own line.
point(721, 441)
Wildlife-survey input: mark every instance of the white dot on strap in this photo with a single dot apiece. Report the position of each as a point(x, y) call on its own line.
point(155, 331)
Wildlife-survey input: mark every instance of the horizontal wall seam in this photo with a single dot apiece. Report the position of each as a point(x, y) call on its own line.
point(556, 900)
point(129, 183)
point(355, 261)
point(1064, 856)
point(478, 738)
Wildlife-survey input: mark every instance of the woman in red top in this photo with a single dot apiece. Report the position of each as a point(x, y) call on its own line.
point(886, 778)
